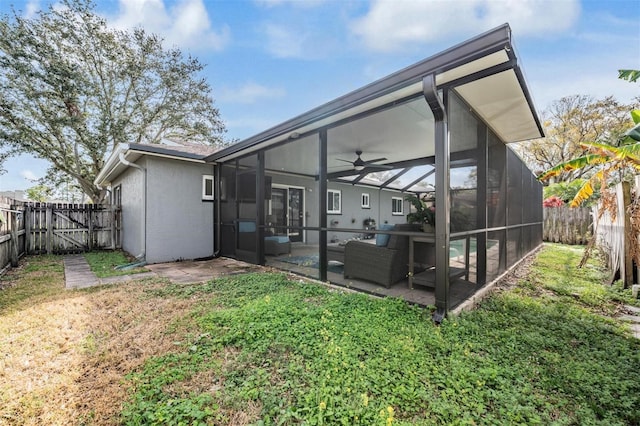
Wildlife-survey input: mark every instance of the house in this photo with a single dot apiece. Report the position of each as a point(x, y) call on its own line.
point(298, 195)
point(166, 213)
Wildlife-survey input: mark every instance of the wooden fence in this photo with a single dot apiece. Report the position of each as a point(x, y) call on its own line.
point(46, 228)
point(614, 234)
point(12, 233)
point(567, 225)
point(68, 228)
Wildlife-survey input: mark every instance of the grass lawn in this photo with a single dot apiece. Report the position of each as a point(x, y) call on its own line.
point(104, 263)
point(265, 348)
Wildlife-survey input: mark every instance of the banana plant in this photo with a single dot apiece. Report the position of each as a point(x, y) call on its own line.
point(611, 158)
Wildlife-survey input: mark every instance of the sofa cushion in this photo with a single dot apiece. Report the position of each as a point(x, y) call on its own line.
point(277, 238)
point(246, 226)
point(383, 239)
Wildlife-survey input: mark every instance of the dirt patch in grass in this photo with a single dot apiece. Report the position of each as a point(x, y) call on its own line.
point(519, 274)
point(126, 328)
point(40, 361)
point(65, 354)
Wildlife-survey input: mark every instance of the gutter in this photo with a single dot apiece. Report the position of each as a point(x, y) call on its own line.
point(111, 164)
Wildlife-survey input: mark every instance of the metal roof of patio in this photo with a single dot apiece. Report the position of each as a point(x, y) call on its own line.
point(485, 73)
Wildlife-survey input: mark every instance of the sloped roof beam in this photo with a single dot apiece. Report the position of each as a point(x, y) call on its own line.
point(395, 177)
point(420, 179)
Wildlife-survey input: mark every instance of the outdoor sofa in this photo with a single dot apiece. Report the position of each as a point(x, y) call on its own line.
point(275, 245)
point(381, 263)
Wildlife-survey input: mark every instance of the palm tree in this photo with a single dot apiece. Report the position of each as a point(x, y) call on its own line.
point(624, 155)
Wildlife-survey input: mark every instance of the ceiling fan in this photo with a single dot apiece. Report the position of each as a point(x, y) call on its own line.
point(360, 164)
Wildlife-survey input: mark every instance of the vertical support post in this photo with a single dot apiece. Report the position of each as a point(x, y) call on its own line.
point(481, 200)
point(217, 220)
point(322, 204)
point(49, 225)
point(112, 222)
point(636, 186)
point(14, 236)
point(430, 92)
point(91, 213)
point(260, 216)
point(27, 229)
point(626, 266)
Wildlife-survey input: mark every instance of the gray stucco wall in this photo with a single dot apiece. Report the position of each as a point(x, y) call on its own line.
point(353, 215)
point(132, 208)
point(179, 222)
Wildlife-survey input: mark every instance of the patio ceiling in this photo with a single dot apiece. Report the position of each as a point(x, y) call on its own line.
point(390, 118)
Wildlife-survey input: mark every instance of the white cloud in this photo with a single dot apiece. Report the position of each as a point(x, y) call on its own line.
point(305, 4)
point(249, 93)
point(28, 175)
point(550, 81)
point(393, 25)
point(299, 41)
point(186, 24)
point(586, 63)
point(33, 6)
point(284, 42)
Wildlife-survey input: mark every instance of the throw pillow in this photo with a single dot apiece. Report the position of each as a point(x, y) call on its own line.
point(383, 239)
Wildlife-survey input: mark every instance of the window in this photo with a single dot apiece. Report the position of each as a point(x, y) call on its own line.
point(365, 201)
point(396, 206)
point(117, 196)
point(207, 187)
point(334, 204)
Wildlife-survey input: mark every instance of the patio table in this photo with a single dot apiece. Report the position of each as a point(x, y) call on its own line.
point(427, 277)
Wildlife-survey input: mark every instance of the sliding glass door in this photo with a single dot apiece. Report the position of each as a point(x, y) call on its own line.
point(287, 212)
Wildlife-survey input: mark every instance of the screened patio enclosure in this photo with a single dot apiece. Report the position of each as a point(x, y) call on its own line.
point(305, 194)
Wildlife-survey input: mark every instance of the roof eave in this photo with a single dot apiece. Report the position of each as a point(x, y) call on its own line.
point(103, 178)
point(108, 172)
point(167, 152)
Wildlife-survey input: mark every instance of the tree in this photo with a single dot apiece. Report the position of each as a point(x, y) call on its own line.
point(40, 193)
point(568, 123)
point(611, 160)
point(566, 191)
point(629, 75)
point(72, 88)
point(625, 155)
point(55, 188)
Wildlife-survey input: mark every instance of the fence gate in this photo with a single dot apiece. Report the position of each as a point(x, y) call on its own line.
point(70, 228)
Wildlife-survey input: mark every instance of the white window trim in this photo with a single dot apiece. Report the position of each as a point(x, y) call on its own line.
point(367, 204)
point(401, 212)
point(205, 196)
point(334, 191)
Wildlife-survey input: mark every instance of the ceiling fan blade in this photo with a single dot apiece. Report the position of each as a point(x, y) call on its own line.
point(375, 160)
point(346, 161)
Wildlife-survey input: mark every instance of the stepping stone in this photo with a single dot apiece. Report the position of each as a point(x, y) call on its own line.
point(77, 273)
point(632, 309)
point(630, 318)
point(635, 329)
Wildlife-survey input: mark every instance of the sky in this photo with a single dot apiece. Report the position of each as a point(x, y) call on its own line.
point(270, 60)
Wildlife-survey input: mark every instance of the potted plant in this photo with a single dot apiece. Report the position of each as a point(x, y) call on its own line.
point(423, 214)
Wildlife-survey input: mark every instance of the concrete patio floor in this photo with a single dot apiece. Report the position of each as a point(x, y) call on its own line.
point(203, 270)
point(78, 275)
